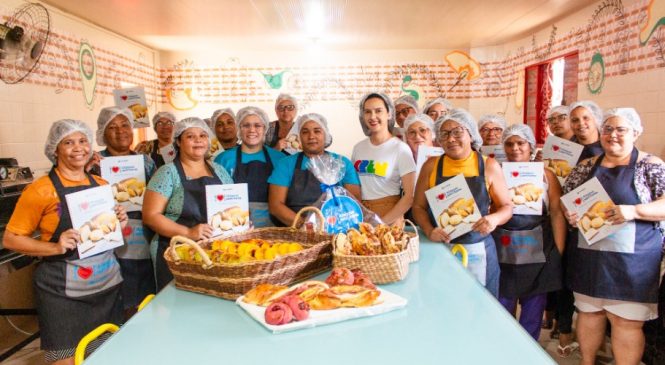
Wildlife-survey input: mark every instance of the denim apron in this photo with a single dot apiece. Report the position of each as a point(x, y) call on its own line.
point(482, 258)
point(193, 213)
point(74, 296)
point(530, 263)
point(625, 265)
point(134, 257)
point(255, 174)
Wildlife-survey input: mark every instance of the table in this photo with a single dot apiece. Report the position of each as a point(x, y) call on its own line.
point(450, 319)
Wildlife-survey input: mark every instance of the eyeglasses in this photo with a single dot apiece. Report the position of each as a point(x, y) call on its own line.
point(164, 123)
point(404, 111)
point(248, 126)
point(414, 132)
point(558, 119)
point(495, 130)
point(456, 132)
point(621, 131)
point(289, 108)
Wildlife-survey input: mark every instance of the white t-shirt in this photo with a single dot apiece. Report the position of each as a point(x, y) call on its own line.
point(381, 167)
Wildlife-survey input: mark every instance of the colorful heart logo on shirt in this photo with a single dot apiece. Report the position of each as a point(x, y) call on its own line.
point(220, 197)
point(84, 272)
point(124, 97)
point(441, 196)
point(578, 201)
point(84, 206)
point(115, 168)
point(505, 240)
point(332, 220)
point(555, 148)
point(516, 174)
point(127, 230)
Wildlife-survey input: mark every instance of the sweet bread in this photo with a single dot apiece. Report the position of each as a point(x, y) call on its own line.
point(260, 294)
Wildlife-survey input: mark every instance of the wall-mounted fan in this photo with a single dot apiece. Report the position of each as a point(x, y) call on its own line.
point(22, 40)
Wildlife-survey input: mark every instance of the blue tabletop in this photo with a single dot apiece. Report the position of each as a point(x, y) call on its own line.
point(450, 319)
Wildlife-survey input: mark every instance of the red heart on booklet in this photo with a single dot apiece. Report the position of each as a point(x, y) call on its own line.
point(491, 155)
point(578, 201)
point(555, 148)
point(84, 205)
point(124, 97)
point(332, 220)
point(516, 174)
point(115, 168)
point(84, 272)
point(127, 230)
point(441, 196)
point(171, 153)
point(220, 197)
point(505, 240)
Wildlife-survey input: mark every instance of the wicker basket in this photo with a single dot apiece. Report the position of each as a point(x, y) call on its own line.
point(413, 246)
point(229, 281)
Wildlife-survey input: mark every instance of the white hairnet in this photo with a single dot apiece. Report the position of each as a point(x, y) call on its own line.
point(389, 104)
point(61, 129)
point(318, 118)
point(407, 100)
point(193, 122)
point(209, 122)
point(465, 119)
point(281, 97)
point(492, 118)
point(592, 107)
point(435, 101)
point(162, 115)
point(520, 130)
point(105, 117)
point(218, 113)
point(561, 109)
point(629, 115)
point(420, 117)
point(252, 110)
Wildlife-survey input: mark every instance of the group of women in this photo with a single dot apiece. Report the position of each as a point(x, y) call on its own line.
point(615, 280)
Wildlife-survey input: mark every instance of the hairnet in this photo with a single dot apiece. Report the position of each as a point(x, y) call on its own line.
point(561, 109)
point(218, 113)
point(592, 107)
point(387, 102)
point(441, 101)
point(61, 129)
point(281, 97)
point(420, 117)
point(193, 122)
point(629, 115)
point(208, 121)
point(105, 117)
point(465, 119)
point(252, 110)
point(493, 118)
point(520, 130)
point(162, 115)
point(407, 100)
point(318, 118)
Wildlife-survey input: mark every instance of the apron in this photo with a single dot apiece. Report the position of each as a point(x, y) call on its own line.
point(155, 155)
point(193, 213)
point(305, 189)
point(74, 296)
point(530, 263)
point(625, 265)
point(134, 257)
point(255, 174)
point(483, 263)
point(589, 150)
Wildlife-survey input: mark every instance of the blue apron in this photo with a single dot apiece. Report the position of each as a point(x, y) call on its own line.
point(255, 174)
point(134, 256)
point(530, 263)
point(304, 191)
point(193, 212)
point(155, 155)
point(483, 262)
point(74, 296)
point(589, 150)
point(626, 264)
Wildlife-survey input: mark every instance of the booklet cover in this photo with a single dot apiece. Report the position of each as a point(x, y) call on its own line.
point(525, 186)
point(560, 156)
point(227, 208)
point(168, 153)
point(126, 174)
point(425, 152)
point(589, 201)
point(133, 99)
point(92, 214)
point(453, 206)
point(496, 152)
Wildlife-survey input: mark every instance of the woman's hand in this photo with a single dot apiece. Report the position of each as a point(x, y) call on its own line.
point(69, 239)
point(620, 213)
point(121, 214)
point(438, 235)
point(571, 217)
point(200, 232)
point(281, 144)
point(94, 161)
point(485, 225)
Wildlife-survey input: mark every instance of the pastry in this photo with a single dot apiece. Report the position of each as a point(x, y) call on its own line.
point(259, 294)
point(325, 300)
point(360, 279)
point(340, 276)
point(278, 313)
point(299, 307)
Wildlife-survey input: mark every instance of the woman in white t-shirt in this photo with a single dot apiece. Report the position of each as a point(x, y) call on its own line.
point(383, 162)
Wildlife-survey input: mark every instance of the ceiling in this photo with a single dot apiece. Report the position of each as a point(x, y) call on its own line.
point(196, 25)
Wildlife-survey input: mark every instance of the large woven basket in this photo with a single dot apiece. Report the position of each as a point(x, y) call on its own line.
point(229, 281)
point(383, 269)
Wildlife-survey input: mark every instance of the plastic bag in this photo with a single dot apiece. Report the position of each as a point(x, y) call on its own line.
point(341, 210)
